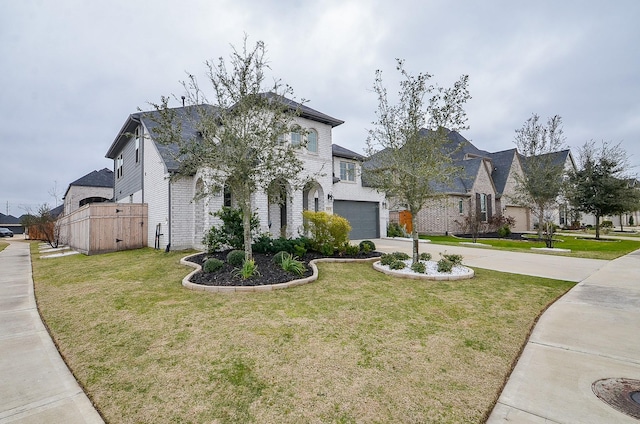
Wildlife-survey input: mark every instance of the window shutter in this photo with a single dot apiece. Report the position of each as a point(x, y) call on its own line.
point(478, 211)
point(489, 207)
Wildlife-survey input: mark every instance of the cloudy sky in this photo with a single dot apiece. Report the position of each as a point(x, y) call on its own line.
point(72, 71)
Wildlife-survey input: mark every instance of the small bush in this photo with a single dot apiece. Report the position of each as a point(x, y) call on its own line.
point(212, 265)
point(327, 249)
point(606, 224)
point(454, 259)
point(401, 256)
point(395, 230)
point(291, 264)
point(326, 229)
point(352, 249)
point(248, 270)
point(235, 257)
point(418, 267)
point(504, 231)
point(631, 222)
point(262, 244)
point(367, 246)
point(397, 264)
point(231, 232)
point(425, 256)
point(299, 250)
point(278, 257)
point(387, 259)
point(445, 265)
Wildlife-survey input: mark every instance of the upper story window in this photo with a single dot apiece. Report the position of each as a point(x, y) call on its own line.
point(296, 139)
point(137, 136)
point(119, 163)
point(460, 207)
point(312, 141)
point(347, 171)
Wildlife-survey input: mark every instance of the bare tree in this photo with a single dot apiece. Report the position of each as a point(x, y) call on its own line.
point(409, 159)
point(540, 185)
point(240, 132)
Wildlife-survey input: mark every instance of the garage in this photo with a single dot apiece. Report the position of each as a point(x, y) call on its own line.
point(521, 216)
point(364, 218)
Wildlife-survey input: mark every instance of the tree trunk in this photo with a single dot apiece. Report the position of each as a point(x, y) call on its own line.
point(621, 224)
point(597, 227)
point(414, 233)
point(540, 222)
point(246, 223)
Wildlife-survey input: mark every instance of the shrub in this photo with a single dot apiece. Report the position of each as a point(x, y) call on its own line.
point(453, 258)
point(291, 264)
point(395, 230)
point(352, 249)
point(445, 265)
point(401, 256)
point(262, 244)
point(231, 232)
point(504, 231)
point(387, 259)
point(212, 265)
point(327, 249)
point(248, 270)
point(299, 250)
point(326, 229)
point(367, 246)
point(630, 220)
point(235, 257)
point(397, 264)
point(278, 257)
point(418, 267)
point(606, 224)
point(425, 256)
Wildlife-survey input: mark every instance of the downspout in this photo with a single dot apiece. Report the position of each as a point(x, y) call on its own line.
point(169, 218)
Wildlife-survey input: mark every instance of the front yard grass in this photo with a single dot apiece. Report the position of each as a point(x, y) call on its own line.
point(3, 245)
point(606, 248)
point(355, 346)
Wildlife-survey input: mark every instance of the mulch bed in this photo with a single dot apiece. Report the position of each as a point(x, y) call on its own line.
point(270, 273)
point(512, 236)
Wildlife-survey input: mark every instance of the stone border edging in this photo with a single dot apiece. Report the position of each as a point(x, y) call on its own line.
point(378, 267)
point(252, 289)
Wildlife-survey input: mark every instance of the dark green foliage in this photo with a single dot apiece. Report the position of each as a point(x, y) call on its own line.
point(327, 249)
point(291, 264)
point(230, 232)
point(352, 249)
point(367, 246)
point(401, 256)
point(418, 267)
point(606, 224)
point(278, 257)
point(212, 265)
point(425, 256)
point(504, 231)
point(445, 265)
point(631, 220)
point(263, 243)
point(397, 264)
point(235, 257)
point(395, 230)
point(453, 258)
point(299, 250)
point(387, 259)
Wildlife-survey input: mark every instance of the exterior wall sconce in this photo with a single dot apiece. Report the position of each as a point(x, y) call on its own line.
point(384, 205)
point(330, 197)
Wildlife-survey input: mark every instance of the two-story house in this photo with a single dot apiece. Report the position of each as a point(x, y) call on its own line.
point(143, 167)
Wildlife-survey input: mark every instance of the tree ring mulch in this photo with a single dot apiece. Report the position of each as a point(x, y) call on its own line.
point(622, 394)
point(270, 274)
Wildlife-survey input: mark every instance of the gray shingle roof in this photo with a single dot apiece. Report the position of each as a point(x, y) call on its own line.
point(502, 162)
point(342, 152)
point(102, 178)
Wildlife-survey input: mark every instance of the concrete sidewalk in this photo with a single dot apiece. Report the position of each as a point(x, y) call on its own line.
point(591, 333)
point(35, 384)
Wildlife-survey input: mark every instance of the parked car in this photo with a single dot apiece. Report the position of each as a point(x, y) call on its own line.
point(5, 232)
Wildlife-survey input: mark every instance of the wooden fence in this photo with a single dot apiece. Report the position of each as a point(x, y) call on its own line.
point(105, 227)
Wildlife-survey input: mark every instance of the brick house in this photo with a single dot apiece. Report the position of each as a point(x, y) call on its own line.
point(142, 168)
point(96, 186)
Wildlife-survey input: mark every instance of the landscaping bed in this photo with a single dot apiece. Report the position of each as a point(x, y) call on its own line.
point(269, 272)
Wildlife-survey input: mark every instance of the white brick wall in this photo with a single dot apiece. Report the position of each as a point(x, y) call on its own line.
point(78, 193)
point(156, 193)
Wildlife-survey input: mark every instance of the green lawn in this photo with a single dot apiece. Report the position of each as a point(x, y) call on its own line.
point(606, 248)
point(3, 244)
point(355, 346)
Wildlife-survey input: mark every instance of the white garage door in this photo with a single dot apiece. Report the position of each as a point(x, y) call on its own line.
point(363, 216)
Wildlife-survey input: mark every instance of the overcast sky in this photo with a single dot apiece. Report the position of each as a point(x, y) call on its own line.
point(72, 71)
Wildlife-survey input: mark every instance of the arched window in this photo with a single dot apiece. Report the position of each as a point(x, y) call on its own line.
point(312, 141)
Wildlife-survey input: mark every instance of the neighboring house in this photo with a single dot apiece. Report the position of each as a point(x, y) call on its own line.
point(95, 187)
point(12, 223)
point(487, 183)
point(143, 168)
